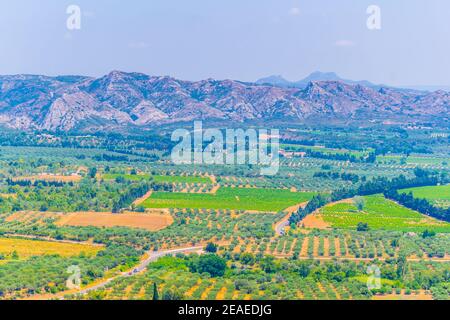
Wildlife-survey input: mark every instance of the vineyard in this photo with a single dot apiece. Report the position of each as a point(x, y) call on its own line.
point(269, 200)
point(439, 196)
point(380, 213)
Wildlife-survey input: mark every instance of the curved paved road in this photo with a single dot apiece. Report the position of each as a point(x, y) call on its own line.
point(281, 225)
point(153, 256)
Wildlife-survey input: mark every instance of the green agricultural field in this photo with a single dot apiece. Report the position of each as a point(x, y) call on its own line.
point(438, 195)
point(160, 179)
point(270, 200)
point(380, 213)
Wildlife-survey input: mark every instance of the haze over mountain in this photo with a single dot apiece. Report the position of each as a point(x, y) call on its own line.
point(428, 88)
point(120, 99)
point(315, 76)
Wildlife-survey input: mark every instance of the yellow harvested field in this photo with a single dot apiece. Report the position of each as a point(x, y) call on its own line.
point(147, 221)
point(50, 177)
point(8, 195)
point(29, 248)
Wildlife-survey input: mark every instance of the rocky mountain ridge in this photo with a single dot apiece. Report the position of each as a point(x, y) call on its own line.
point(120, 99)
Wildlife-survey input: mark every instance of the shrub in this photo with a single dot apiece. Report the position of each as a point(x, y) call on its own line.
point(210, 263)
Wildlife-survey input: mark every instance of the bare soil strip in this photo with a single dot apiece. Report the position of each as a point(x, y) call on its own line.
point(304, 251)
point(314, 221)
point(326, 247)
point(221, 294)
point(316, 247)
point(141, 200)
point(207, 290)
point(337, 245)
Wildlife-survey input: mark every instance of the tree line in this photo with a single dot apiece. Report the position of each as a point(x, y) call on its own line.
point(35, 183)
point(421, 205)
point(336, 175)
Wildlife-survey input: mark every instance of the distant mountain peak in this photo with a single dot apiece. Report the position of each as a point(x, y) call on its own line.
point(276, 80)
point(322, 76)
point(279, 81)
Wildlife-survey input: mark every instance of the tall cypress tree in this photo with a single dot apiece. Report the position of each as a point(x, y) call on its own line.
point(155, 292)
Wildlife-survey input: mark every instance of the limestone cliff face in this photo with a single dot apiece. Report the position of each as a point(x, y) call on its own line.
point(134, 99)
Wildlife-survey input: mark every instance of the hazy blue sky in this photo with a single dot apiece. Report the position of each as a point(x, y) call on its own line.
point(238, 39)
